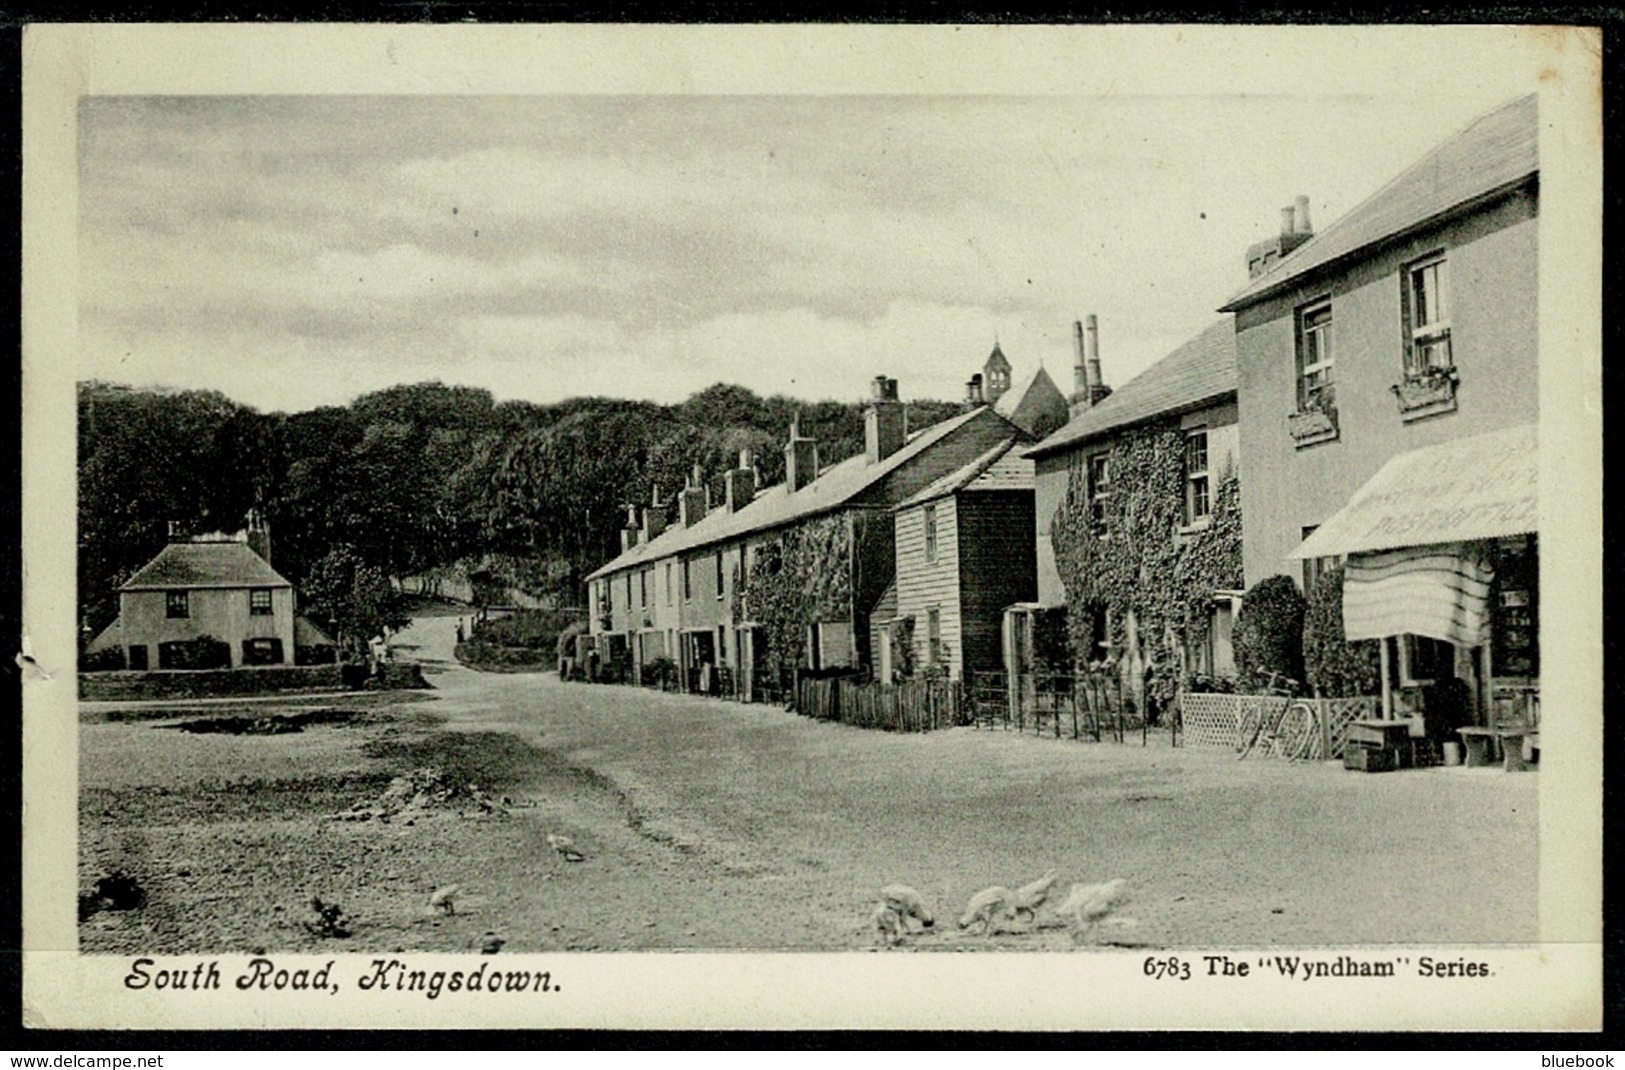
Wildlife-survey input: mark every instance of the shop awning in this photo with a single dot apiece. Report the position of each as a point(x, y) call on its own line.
point(1483, 487)
point(1441, 592)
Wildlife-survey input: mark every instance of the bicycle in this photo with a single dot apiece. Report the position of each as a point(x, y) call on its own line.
point(1298, 735)
point(1258, 726)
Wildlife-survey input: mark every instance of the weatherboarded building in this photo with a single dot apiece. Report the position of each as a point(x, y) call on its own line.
point(964, 555)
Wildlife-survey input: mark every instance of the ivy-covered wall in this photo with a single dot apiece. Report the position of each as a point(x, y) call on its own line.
point(1155, 584)
point(801, 577)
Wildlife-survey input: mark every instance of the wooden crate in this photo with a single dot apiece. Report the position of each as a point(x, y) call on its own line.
point(1387, 735)
point(1370, 759)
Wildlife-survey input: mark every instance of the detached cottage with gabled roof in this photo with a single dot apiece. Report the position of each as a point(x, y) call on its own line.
point(215, 586)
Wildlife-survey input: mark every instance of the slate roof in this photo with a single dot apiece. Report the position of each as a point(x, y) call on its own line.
point(1200, 371)
point(776, 506)
point(205, 564)
point(1000, 468)
point(1496, 151)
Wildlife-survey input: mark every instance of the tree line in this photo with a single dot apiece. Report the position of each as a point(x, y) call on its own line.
point(414, 478)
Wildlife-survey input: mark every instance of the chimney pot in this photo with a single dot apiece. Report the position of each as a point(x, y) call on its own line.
point(1289, 220)
point(1301, 213)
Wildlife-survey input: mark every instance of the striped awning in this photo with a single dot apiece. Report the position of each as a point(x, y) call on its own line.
point(1441, 592)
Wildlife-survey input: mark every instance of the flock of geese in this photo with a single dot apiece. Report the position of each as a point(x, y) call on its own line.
point(1085, 907)
point(902, 908)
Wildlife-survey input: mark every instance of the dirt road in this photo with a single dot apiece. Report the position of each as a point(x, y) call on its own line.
point(713, 825)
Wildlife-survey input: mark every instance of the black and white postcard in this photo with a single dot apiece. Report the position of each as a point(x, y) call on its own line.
point(975, 527)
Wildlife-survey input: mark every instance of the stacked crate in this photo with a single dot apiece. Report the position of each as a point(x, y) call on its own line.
point(1376, 746)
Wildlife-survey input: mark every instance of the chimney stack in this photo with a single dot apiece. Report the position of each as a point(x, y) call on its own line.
point(800, 459)
point(654, 518)
point(691, 503)
point(1080, 372)
point(885, 426)
point(1091, 359)
point(259, 535)
point(629, 530)
point(1295, 230)
point(739, 485)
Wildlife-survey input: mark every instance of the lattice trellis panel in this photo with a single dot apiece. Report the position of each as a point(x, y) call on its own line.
point(1210, 720)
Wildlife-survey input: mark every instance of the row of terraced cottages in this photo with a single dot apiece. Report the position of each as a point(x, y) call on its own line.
point(1371, 388)
point(689, 594)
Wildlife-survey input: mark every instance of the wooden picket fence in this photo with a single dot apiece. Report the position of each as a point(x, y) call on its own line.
point(911, 706)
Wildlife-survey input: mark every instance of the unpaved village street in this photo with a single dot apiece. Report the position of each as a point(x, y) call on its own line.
point(713, 825)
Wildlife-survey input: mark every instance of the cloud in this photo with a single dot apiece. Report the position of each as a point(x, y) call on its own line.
point(295, 250)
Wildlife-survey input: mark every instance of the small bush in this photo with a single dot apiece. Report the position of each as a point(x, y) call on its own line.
point(109, 659)
point(533, 629)
point(1269, 633)
point(1052, 644)
point(315, 654)
point(660, 672)
point(1212, 685)
point(1333, 665)
point(204, 652)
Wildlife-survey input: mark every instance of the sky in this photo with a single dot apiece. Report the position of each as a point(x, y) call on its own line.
point(296, 251)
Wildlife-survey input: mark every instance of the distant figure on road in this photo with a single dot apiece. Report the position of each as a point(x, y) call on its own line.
point(459, 632)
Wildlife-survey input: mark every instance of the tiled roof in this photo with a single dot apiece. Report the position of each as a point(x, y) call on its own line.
point(1497, 150)
point(1201, 370)
point(205, 564)
point(775, 505)
point(1034, 404)
point(1010, 472)
point(1000, 468)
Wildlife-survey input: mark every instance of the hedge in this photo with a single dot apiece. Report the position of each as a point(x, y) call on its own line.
point(1268, 637)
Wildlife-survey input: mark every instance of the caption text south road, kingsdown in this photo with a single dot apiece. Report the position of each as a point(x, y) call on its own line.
point(380, 975)
point(396, 975)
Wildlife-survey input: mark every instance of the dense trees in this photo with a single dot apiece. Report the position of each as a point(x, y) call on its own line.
point(413, 478)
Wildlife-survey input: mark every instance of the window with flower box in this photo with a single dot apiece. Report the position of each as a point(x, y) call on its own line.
point(1428, 385)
